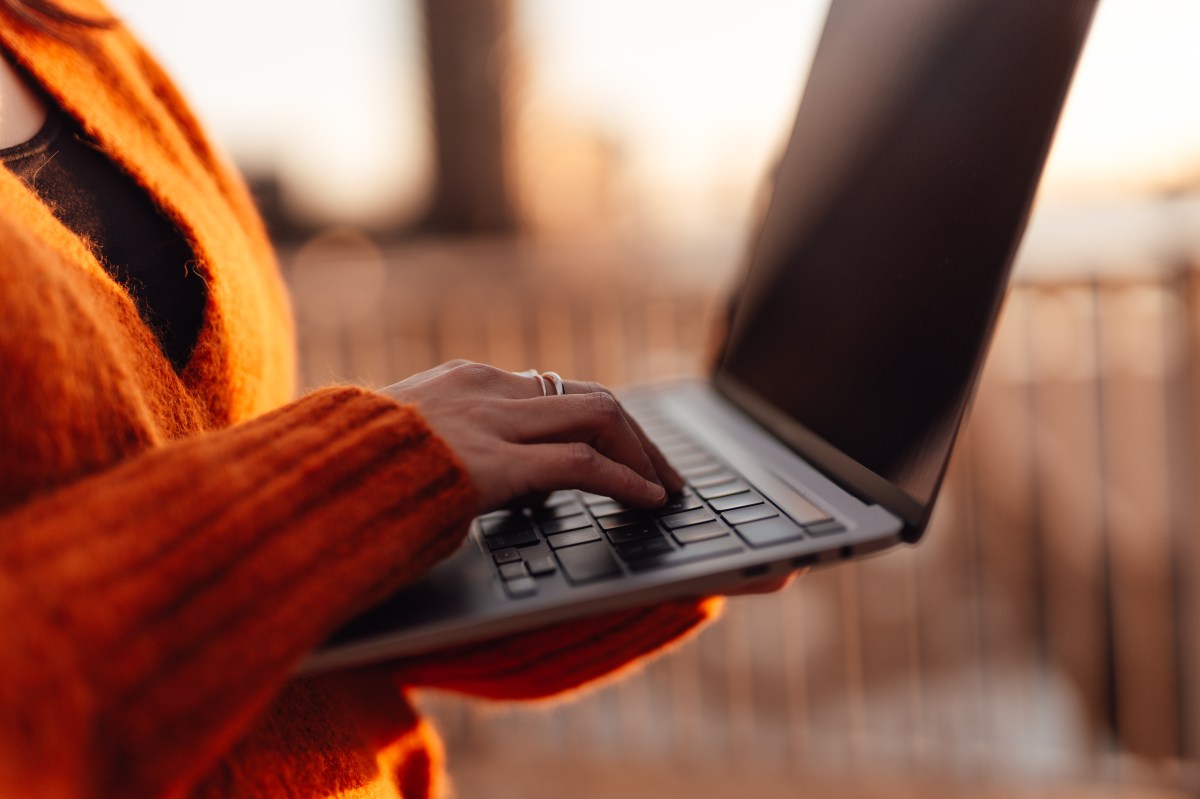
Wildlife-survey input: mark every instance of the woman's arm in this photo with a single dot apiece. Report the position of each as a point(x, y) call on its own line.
point(151, 610)
point(155, 607)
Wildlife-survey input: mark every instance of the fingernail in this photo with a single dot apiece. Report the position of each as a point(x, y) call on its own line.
point(658, 493)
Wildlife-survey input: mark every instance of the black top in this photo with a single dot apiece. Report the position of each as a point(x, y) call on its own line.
point(136, 243)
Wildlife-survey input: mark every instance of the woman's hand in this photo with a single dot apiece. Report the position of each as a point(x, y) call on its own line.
point(515, 443)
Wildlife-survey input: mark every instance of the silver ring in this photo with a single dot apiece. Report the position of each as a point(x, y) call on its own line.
point(536, 375)
point(560, 388)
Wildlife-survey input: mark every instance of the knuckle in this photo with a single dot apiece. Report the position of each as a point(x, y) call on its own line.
point(475, 373)
point(606, 407)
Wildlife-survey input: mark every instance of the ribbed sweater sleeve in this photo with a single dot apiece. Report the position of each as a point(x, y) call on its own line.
point(152, 609)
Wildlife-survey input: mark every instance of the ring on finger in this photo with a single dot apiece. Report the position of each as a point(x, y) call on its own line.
point(560, 387)
point(536, 375)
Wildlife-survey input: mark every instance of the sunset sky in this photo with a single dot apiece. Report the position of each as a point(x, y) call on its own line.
point(697, 95)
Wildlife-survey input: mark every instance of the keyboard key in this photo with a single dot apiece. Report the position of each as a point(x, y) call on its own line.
point(688, 517)
point(711, 548)
point(542, 564)
point(588, 562)
point(572, 538)
point(623, 518)
point(512, 571)
point(559, 498)
point(592, 499)
point(503, 523)
point(738, 500)
point(676, 504)
point(646, 548)
point(805, 512)
point(712, 478)
point(607, 508)
point(676, 439)
point(700, 532)
point(634, 532)
point(558, 511)
point(824, 528)
point(770, 531)
point(667, 435)
point(694, 460)
point(522, 586)
point(722, 489)
point(568, 523)
point(751, 513)
point(696, 475)
point(516, 538)
point(506, 556)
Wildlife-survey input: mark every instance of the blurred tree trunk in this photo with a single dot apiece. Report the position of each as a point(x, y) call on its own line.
point(469, 64)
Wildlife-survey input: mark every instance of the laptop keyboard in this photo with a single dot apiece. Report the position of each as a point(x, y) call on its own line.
point(588, 538)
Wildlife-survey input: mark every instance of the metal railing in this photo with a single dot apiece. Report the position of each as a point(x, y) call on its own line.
point(1045, 628)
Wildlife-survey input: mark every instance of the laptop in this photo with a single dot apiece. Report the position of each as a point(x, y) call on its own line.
point(853, 342)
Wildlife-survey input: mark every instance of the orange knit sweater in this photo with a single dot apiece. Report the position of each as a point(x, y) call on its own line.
point(172, 545)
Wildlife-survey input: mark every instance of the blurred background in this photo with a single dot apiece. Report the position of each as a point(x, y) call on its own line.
point(567, 184)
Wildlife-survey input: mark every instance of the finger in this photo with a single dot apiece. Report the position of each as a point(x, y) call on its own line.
point(493, 381)
point(537, 377)
point(596, 419)
point(550, 467)
point(670, 479)
point(535, 500)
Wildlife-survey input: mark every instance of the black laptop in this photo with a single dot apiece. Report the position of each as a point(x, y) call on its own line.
point(854, 340)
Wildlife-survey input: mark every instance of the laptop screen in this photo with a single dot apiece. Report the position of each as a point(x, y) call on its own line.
point(882, 260)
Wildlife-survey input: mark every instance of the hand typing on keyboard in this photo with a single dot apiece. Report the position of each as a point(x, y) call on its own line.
point(588, 537)
point(515, 442)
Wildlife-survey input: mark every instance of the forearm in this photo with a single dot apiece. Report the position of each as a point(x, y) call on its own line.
point(171, 596)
